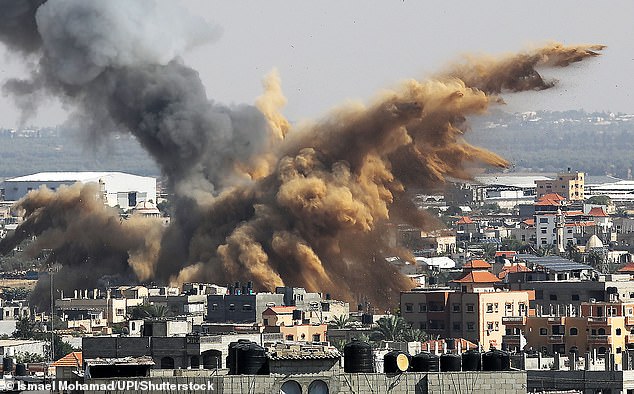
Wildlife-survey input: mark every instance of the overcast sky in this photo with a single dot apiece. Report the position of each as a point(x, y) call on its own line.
point(330, 51)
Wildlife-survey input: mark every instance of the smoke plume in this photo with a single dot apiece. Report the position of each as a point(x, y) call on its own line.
point(255, 198)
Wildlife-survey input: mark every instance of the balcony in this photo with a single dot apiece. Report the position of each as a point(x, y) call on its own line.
point(511, 339)
point(557, 320)
point(555, 339)
point(599, 339)
point(599, 321)
point(514, 320)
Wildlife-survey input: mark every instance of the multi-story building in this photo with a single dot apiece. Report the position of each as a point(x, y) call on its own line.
point(568, 184)
point(240, 308)
point(93, 306)
point(472, 310)
point(596, 326)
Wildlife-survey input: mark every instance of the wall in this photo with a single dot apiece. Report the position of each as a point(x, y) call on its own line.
point(409, 383)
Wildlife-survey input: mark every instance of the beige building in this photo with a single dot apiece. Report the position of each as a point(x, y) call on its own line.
point(475, 316)
point(594, 327)
point(567, 184)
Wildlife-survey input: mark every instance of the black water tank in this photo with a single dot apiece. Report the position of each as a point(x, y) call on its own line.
point(252, 360)
point(357, 357)
point(7, 365)
point(496, 360)
point(471, 360)
point(232, 355)
point(20, 369)
point(396, 361)
point(450, 362)
point(451, 343)
point(425, 362)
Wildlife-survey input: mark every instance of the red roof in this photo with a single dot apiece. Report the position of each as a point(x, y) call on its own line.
point(514, 268)
point(554, 197)
point(573, 213)
point(477, 264)
point(465, 220)
point(279, 309)
point(73, 359)
point(547, 202)
point(627, 268)
point(580, 224)
point(598, 212)
point(478, 277)
point(529, 222)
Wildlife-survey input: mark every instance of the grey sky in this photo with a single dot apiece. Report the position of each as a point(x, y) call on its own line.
point(327, 52)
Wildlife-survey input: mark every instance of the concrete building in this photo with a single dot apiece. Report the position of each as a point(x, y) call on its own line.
point(13, 347)
point(116, 188)
point(475, 316)
point(567, 184)
point(93, 306)
point(240, 308)
point(591, 327)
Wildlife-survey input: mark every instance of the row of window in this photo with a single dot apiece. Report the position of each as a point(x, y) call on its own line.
point(470, 308)
point(232, 307)
point(574, 331)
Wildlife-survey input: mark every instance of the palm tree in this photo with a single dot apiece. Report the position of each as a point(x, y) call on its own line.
point(414, 335)
point(390, 328)
point(340, 321)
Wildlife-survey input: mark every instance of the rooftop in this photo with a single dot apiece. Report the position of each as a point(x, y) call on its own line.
point(84, 176)
point(478, 277)
point(72, 359)
point(554, 263)
point(477, 264)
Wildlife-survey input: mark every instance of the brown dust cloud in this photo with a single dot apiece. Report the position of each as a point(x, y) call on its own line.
point(256, 198)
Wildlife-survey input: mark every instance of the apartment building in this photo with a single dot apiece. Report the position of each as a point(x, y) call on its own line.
point(593, 327)
point(568, 184)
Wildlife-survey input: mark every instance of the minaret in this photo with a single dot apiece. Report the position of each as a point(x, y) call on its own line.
point(559, 229)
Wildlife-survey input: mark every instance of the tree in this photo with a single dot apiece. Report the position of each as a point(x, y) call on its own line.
point(414, 335)
point(340, 321)
point(148, 311)
point(25, 328)
point(600, 200)
point(27, 357)
point(572, 252)
point(390, 328)
point(595, 259)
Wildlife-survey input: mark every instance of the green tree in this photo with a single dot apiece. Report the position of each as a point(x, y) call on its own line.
point(27, 357)
point(389, 328)
point(600, 200)
point(25, 328)
point(572, 252)
point(148, 311)
point(340, 321)
point(414, 335)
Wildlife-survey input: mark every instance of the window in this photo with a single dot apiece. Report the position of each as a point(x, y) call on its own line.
point(470, 308)
point(232, 307)
point(489, 308)
point(470, 326)
point(409, 308)
point(553, 297)
point(316, 337)
point(544, 230)
point(289, 337)
point(574, 331)
point(455, 307)
point(618, 331)
point(543, 220)
point(422, 307)
point(214, 307)
point(497, 326)
point(495, 307)
point(543, 331)
point(456, 326)
point(247, 308)
point(508, 308)
point(489, 326)
point(120, 311)
point(575, 297)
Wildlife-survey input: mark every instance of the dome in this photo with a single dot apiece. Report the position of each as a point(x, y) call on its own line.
point(594, 242)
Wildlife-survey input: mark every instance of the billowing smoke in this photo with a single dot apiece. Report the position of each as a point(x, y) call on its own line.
point(255, 198)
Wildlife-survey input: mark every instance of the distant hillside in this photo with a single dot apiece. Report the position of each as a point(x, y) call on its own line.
point(52, 149)
point(597, 143)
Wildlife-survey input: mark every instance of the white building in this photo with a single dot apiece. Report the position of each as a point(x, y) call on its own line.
point(118, 188)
